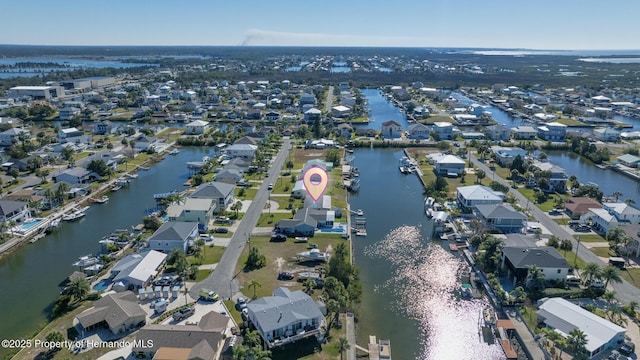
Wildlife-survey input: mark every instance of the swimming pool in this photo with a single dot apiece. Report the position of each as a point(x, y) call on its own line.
point(29, 224)
point(338, 228)
point(102, 285)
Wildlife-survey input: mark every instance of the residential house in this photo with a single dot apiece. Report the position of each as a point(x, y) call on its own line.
point(613, 214)
point(285, 317)
point(633, 232)
point(144, 143)
point(558, 178)
point(76, 175)
point(299, 191)
point(391, 130)
point(73, 135)
point(136, 271)
point(103, 127)
point(504, 156)
point(470, 196)
point(229, 176)
point(607, 134)
point(562, 316)
point(240, 164)
point(67, 113)
point(222, 193)
point(419, 131)
point(174, 234)
point(203, 341)
point(524, 132)
point(341, 111)
point(498, 132)
point(307, 99)
point(553, 131)
point(298, 226)
point(345, 130)
point(11, 136)
point(443, 130)
point(576, 207)
point(119, 312)
point(14, 211)
point(312, 115)
point(450, 165)
point(196, 127)
point(192, 210)
point(246, 151)
point(326, 165)
point(502, 217)
point(272, 116)
point(516, 261)
point(28, 195)
point(629, 160)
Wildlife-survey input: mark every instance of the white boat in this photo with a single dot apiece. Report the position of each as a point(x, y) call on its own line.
point(360, 212)
point(301, 239)
point(55, 223)
point(116, 187)
point(314, 255)
point(86, 260)
point(174, 152)
point(354, 185)
point(75, 214)
point(132, 176)
point(102, 200)
point(403, 170)
point(429, 202)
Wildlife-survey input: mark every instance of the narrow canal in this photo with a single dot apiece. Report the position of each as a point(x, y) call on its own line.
point(29, 276)
point(381, 110)
point(410, 284)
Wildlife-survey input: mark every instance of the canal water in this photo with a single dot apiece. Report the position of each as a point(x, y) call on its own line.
point(410, 284)
point(29, 276)
point(381, 110)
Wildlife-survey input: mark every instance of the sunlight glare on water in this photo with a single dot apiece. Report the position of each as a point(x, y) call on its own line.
point(425, 281)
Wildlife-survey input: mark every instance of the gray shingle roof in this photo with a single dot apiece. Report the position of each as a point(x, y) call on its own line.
point(500, 211)
point(174, 230)
point(9, 206)
point(213, 190)
point(545, 257)
point(283, 308)
point(115, 309)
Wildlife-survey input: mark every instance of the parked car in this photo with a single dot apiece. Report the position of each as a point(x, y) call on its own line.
point(221, 230)
point(627, 348)
point(285, 275)
point(278, 238)
point(241, 303)
point(164, 281)
point(208, 295)
point(183, 313)
point(206, 237)
point(582, 228)
point(270, 187)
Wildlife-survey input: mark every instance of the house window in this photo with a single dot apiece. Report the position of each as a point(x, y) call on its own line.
point(559, 271)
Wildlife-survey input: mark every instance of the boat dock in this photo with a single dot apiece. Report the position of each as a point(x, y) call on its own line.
point(376, 349)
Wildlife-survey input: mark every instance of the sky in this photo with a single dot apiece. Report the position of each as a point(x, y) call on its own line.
point(533, 24)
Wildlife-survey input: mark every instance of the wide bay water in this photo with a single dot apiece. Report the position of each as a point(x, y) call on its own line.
point(66, 64)
point(30, 275)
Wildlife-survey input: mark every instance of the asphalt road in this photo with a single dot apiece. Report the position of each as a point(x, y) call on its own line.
point(222, 280)
point(625, 292)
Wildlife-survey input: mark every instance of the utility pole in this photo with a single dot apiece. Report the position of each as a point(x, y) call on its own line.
point(575, 258)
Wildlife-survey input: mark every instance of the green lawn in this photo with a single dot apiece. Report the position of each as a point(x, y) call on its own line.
point(267, 219)
point(602, 251)
point(545, 206)
point(590, 238)
point(437, 118)
point(211, 255)
point(202, 274)
point(570, 256)
point(632, 275)
point(249, 193)
point(570, 122)
point(529, 315)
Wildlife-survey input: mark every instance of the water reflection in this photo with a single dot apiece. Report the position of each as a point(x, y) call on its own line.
point(425, 281)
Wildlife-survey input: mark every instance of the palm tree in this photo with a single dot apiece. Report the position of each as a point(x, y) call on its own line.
point(79, 288)
point(577, 341)
point(255, 284)
point(535, 277)
point(609, 297)
point(590, 272)
point(308, 285)
point(611, 273)
point(480, 174)
point(237, 206)
point(616, 195)
point(343, 345)
point(566, 245)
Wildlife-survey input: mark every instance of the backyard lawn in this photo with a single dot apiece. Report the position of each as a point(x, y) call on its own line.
point(267, 219)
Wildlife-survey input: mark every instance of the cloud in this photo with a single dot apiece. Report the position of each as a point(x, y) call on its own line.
point(257, 37)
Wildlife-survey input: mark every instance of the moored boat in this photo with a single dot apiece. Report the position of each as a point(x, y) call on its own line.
point(101, 200)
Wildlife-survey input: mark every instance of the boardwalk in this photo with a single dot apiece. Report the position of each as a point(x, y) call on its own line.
point(351, 337)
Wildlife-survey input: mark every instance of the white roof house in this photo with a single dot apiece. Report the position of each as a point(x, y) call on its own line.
point(470, 196)
point(137, 270)
point(564, 316)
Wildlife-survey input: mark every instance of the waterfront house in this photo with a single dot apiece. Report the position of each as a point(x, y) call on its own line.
point(73, 135)
point(248, 139)
point(222, 193)
point(66, 113)
point(449, 165)
point(119, 312)
point(498, 132)
point(239, 164)
point(345, 130)
point(246, 151)
point(14, 210)
point(469, 197)
point(76, 175)
point(524, 132)
point(312, 115)
point(320, 144)
point(298, 226)
point(553, 131)
point(196, 127)
point(285, 317)
point(326, 165)
point(517, 260)
point(341, 111)
point(174, 234)
point(419, 131)
point(184, 342)
point(229, 176)
point(629, 160)
point(443, 130)
point(612, 215)
point(103, 127)
point(563, 317)
point(135, 271)
point(557, 179)
point(391, 130)
point(11, 136)
point(576, 207)
point(192, 210)
point(144, 143)
point(607, 134)
point(504, 156)
point(501, 217)
point(246, 127)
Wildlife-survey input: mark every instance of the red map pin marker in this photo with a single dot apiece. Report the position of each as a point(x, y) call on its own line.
point(315, 181)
